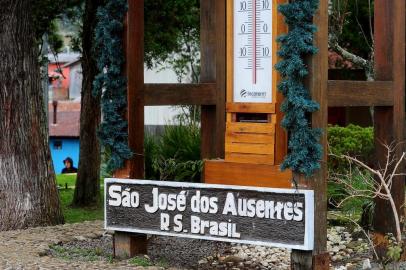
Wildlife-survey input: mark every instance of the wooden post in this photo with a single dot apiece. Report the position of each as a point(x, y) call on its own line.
point(127, 244)
point(213, 65)
point(319, 259)
point(389, 121)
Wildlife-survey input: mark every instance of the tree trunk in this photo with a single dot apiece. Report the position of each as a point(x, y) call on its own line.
point(87, 191)
point(28, 193)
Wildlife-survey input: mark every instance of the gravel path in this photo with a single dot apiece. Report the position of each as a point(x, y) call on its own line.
point(29, 249)
point(87, 246)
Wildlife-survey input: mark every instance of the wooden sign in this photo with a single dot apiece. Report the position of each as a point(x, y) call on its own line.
point(249, 215)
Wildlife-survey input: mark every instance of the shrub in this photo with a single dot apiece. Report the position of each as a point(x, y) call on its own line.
point(352, 140)
point(150, 152)
point(175, 155)
point(357, 142)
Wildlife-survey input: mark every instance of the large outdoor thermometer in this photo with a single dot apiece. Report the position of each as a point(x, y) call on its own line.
point(255, 142)
point(252, 57)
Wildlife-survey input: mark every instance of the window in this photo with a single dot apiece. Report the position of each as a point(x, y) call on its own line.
point(57, 145)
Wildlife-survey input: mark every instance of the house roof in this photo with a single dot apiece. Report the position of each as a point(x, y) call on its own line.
point(74, 62)
point(68, 120)
point(63, 58)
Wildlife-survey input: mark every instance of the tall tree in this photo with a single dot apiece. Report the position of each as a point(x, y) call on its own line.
point(351, 32)
point(87, 190)
point(28, 193)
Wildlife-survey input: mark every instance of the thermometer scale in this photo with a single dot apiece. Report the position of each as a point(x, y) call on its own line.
point(252, 56)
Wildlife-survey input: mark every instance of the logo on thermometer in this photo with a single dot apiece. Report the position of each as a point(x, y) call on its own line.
point(252, 94)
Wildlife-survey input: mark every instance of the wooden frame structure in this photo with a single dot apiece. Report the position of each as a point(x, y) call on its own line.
point(387, 95)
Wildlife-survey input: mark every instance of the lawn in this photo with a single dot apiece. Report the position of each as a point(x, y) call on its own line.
point(74, 214)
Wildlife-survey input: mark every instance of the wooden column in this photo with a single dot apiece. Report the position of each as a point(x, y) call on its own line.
point(319, 258)
point(221, 78)
point(389, 121)
point(213, 65)
point(128, 244)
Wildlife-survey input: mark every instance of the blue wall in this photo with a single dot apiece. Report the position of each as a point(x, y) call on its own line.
point(62, 148)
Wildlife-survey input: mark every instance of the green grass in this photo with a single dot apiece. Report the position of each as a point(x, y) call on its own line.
point(69, 179)
point(75, 214)
point(140, 261)
point(83, 254)
point(66, 179)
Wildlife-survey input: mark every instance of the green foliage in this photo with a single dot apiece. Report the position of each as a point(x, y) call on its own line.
point(44, 15)
point(172, 36)
point(339, 191)
point(178, 46)
point(140, 261)
point(175, 155)
point(181, 142)
point(305, 150)
point(55, 41)
point(354, 18)
point(150, 151)
point(394, 253)
point(110, 83)
point(169, 26)
point(352, 140)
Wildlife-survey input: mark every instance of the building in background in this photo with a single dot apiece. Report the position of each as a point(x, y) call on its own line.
point(64, 130)
point(65, 76)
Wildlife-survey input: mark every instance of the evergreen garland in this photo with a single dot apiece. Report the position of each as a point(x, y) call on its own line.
point(305, 151)
point(110, 82)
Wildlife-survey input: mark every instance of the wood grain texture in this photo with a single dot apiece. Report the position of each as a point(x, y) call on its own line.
point(234, 137)
point(281, 136)
point(250, 148)
point(389, 121)
point(221, 75)
point(318, 87)
point(251, 107)
point(135, 83)
point(268, 159)
point(318, 182)
point(398, 69)
point(208, 75)
point(127, 244)
point(360, 93)
point(257, 175)
point(258, 128)
point(180, 94)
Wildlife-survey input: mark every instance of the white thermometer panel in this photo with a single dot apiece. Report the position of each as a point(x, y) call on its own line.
point(253, 40)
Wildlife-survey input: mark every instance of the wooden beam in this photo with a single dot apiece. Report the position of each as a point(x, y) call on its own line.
point(221, 75)
point(180, 94)
point(208, 75)
point(130, 244)
point(360, 93)
point(318, 87)
point(135, 84)
point(398, 74)
point(383, 116)
point(318, 77)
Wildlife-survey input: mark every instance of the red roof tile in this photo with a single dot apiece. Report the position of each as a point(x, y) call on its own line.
point(68, 121)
